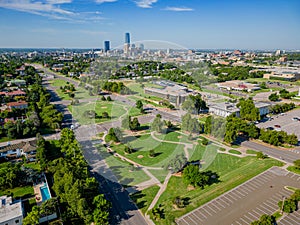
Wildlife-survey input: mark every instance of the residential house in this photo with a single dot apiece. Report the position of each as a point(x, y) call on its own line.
point(17, 105)
point(15, 152)
point(11, 213)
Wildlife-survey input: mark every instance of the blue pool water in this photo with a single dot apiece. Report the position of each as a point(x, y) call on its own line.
point(45, 193)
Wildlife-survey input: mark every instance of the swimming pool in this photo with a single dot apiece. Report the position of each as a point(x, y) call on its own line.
point(45, 193)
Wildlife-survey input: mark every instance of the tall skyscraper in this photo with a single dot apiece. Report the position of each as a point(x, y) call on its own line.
point(106, 46)
point(127, 38)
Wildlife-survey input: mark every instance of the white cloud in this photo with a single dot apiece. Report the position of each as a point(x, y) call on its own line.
point(103, 1)
point(56, 2)
point(145, 3)
point(179, 9)
point(33, 7)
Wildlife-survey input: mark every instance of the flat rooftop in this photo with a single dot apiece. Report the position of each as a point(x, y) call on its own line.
point(9, 210)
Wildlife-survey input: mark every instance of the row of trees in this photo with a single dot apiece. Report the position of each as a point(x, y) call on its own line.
point(77, 192)
point(281, 108)
point(276, 138)
point(117, 87)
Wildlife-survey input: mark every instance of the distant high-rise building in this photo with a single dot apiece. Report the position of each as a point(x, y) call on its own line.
point(106, 46)
point(127, 38)
point(142, 47)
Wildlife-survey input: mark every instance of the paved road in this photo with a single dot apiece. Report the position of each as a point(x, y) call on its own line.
point(124, 211)
point(286, 155)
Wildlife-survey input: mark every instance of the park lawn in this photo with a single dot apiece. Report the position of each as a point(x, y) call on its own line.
point(143, 144)
point(126, 173)
point(136, 87)
point(232, 170)
point(115, 111)
point(173, 136)
point(144, 198)
point(19, 192)
point(159, 174)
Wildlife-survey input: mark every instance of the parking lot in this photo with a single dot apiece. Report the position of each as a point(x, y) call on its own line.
point(247, 202)
point(285, 122)
point(291, 219)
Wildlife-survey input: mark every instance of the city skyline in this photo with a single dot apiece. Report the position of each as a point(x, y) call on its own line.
point(215, 24)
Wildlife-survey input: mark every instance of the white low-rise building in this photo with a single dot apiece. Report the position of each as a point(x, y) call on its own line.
point(11, 213)
point(225, 109)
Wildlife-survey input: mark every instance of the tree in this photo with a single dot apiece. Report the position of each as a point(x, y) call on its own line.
point(157, 124)
point(297, 163)
point(190, 124)
point(260, 155)
point(41, 152)
point(152, 153)
point(139, 104)
point(135, 124)
point(105, 115)
point(33, 217)
point(176, 164)
point(103, 98)
point(192, 175)
point(128, 149)
point(204, 141)
point(194, 104)
point(109, 98)
point(265, 220)
point(274, 97)
point(101, 211)
point(179, 202)
point(126, 122)
point(248, 110)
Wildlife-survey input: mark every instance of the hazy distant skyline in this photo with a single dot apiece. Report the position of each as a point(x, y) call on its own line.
point(214, 24)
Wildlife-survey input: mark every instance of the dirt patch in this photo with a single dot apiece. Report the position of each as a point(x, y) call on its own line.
point(140, 156)
point(103, 107)
point(190, 188)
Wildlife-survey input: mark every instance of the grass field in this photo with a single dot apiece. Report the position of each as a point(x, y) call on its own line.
point(144, 198)
point(125, 172)
point(174, 136)
point(19, 192)
point(232, 170)
point(114, 109)
point(142, 146)
point(160, 174)
point(80, 92)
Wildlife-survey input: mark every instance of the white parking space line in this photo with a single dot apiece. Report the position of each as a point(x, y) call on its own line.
point(269, 207)
point(228, 198)
point(190, 220)
point(255, 212)
point(196, 217)
point(211, 209)
point(221, 199)
point(248, 189)
point(244, 220)
point(240, 193)
point(266, 209)
point(184, 221)
point(253, 216)
point(235, 194)
point(217, 202)
point(207, 211)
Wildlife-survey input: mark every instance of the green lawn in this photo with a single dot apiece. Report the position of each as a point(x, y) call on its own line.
point(250, 151)
point(233, 171)
point(80, 92)
point(293, 169)
point(114, 109)
point(33, 165)
point(144, 198)
point(5, 139)
point(19, 192)
point(126, 173)
point(136, 87)
point(233, 151)
point(142, 145)
point(173, 136)
point(160, 174)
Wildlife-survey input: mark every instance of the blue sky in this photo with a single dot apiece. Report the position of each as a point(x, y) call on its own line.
point(206, 24)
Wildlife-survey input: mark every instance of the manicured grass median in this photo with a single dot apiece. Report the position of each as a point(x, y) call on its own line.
point(293, 169)
point(233, 171)
point(233, 151)
point(250, 151)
